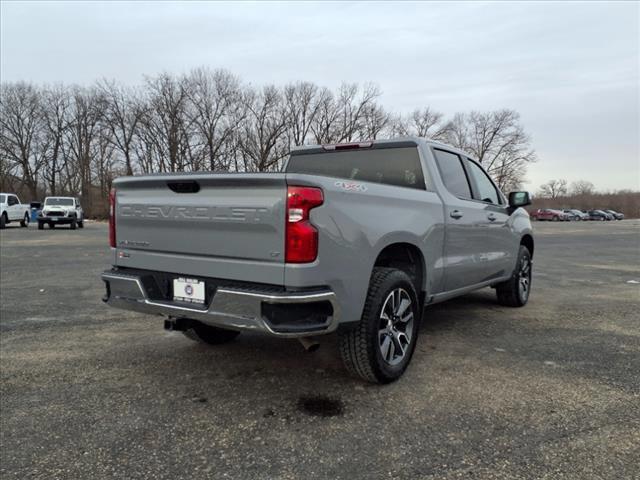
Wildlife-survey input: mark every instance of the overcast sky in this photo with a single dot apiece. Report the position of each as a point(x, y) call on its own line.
point(570, 69)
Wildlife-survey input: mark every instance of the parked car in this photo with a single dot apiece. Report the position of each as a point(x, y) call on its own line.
point(576, 214)
point(599, 215)
point(12, 210)
point(616, 215)
point(351, 238)
point(549, 214)
point(61, 211)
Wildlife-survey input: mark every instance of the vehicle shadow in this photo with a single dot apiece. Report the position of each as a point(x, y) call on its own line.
point(264, 360)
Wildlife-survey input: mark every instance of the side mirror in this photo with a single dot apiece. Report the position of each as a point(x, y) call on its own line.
point(519, 199)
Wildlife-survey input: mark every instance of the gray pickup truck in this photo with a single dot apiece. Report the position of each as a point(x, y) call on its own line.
point(349, 238)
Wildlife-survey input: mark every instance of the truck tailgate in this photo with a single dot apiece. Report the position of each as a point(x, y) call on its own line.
point(216, 225)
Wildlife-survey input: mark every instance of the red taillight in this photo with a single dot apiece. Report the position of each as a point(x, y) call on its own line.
point(112, 218)
point(301, 243)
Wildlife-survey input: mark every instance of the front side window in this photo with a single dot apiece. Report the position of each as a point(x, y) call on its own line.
point(487, 192)
point(453, 174)
point(13, 200)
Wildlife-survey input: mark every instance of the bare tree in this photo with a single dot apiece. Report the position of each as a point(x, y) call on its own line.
point(398, 126)
point(582, 187)
point(427, 123)
point(324, 127)
point(553, 189)
point(303, 101)
point(20, 130)
point(375, 121)
point(497, 140)
point(164, 126)
point(215, 109)
point(55, 114)
point(85, 128)
point(122, 116)
point(341, 117)
point(262, 141)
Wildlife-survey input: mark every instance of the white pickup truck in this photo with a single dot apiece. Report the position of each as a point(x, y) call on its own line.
point(11, 210)
point(61, 211)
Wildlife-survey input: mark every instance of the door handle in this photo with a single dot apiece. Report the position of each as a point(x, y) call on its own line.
point(456, 214)
point(491, 217)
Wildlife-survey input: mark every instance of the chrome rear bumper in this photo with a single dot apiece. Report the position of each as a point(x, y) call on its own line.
point(235, 309)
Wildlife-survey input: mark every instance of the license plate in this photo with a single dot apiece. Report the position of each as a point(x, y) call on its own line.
point(54, 219)
point(188, 290)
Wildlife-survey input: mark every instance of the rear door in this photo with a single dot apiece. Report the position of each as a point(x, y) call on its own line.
point(466, 246)
point(228, 226)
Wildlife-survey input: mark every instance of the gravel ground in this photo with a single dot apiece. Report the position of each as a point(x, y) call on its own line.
point(551, 390)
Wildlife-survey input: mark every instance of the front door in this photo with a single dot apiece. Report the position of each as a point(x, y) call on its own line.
point(466, 246)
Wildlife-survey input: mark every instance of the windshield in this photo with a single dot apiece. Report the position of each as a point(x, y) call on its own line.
point(59, 201)
point(3, 198)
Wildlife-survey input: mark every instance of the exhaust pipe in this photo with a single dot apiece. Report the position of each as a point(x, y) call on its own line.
point(310, 344)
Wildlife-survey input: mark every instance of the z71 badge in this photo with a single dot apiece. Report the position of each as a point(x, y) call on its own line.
point(351, 186)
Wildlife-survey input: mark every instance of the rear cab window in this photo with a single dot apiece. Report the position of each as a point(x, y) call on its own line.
point(397, 166)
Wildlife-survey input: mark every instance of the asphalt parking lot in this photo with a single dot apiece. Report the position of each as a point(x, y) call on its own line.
point(548, 391)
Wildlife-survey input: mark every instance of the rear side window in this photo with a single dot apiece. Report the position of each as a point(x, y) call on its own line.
point(486, 190)
point(392, 166)
point(453, 174)
point(3, 198)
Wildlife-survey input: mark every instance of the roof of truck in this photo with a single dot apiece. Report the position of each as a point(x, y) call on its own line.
point(398, 142)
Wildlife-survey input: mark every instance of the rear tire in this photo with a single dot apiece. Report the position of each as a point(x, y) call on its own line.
point(380, 347)
point(200, 332)
point(515, 291)
point(40, 226)
point(3, 220)
point(52, 225)
point(555, 219)
point(25, 221)
point(81, 224)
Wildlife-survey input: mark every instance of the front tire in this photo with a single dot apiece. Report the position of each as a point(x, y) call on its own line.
point(73, 224)
point(380, 347)
point(555, 219)
point(40, 226)
point(24, 223)
point(200, 332)
point(515, 291)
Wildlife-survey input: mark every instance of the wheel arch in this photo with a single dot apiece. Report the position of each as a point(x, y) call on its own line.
point(527, 241)
point(407, 257)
